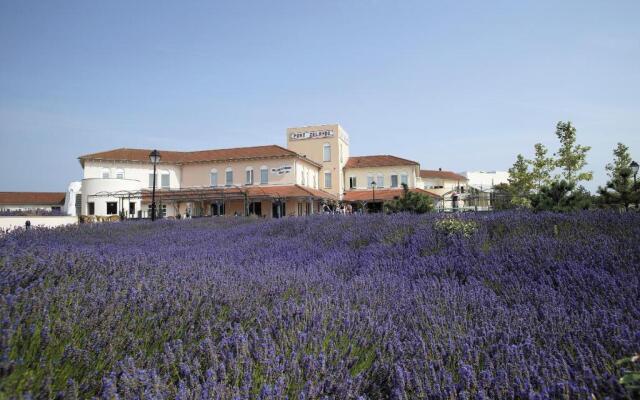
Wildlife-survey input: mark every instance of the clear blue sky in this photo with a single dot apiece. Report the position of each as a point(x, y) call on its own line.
point(457, 85)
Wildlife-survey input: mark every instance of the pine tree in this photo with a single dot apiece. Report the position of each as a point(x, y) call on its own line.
point(620, 190)
point(571, 157)
point(541, 167)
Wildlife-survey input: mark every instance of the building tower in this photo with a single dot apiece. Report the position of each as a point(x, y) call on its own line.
point(327, 145)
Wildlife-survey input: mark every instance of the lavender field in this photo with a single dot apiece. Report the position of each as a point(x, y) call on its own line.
point(519, 306)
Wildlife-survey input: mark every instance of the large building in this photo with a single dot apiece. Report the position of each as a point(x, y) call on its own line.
point(315, 169)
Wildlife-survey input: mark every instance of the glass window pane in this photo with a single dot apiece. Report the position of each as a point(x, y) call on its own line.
point(214, 179)
point(264, 176)
point(327, 179)
point(326, 155)
point(394, 180)
point(229, 178)
point(165, 180)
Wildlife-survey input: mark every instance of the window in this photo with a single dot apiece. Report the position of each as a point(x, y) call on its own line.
point(314, 181)
point(303, 178)
point(327, 180)
point(229, 176)
point(161, 210)
point(326, 152)
point(165, 180)
point(112, 207)
point(132, 208)
point(404, 178)
point(369, 181)
point(264, 175)
point(340, 152)
point(105, 173)
point(249, 176)
point(394, 181)
point(213, 177)
point(91, 208)
point(150, 180)
point(352, 182)
point(380, 181)
point(120, 173)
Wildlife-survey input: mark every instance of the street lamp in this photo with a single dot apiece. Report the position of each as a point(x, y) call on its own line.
point(373, 187)
point(154, 156)
point(634, 169)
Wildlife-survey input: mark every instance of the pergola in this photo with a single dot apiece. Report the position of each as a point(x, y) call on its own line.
point(219, 194)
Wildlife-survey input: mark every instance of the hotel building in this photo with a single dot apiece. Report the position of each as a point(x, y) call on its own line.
point(272, 181)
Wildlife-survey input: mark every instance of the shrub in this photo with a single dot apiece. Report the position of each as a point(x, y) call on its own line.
point(456, 226)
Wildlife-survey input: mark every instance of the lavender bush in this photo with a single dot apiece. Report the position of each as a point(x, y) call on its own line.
point(527, 306)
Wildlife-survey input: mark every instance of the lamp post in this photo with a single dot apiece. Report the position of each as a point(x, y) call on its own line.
point(154, 156)
point(634, 169)
point(373, 187)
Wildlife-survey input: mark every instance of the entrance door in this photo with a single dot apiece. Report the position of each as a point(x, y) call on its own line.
point(217, 209)
point(278, 209)
point(255, 208)
point(132, 208)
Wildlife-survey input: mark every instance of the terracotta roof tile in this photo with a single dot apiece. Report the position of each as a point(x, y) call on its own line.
point(32, 198)
point(184, 157)
point(382, 194)
point(377, 161)
point(448, 175)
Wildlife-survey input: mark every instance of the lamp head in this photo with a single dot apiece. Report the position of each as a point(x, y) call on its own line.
point(154, 156)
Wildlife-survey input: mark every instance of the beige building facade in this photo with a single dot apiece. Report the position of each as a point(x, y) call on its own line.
point(315, 169)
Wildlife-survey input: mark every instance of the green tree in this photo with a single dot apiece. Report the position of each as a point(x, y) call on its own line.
point(561, 196)
point(571, 157)
point(520, 182)
point(621, 160)
point(410, 202)
point(541, 167)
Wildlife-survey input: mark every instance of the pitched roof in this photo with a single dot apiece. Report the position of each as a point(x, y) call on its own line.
point(384, 160)
point(32, 198)
point(447, 175)
point(184, 157)
point(382, 194)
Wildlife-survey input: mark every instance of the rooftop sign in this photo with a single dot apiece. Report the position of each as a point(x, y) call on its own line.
point(321, 134)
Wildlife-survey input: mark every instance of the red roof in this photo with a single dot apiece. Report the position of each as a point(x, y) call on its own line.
point(184, 157)
point(382, 194)
point(439, 174)
point(32, 198)
point(377, 161)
